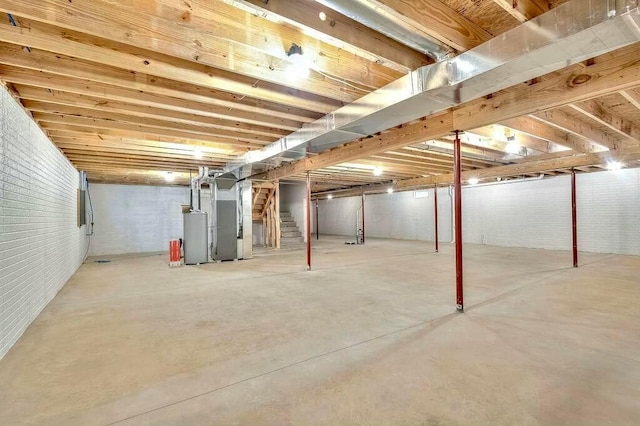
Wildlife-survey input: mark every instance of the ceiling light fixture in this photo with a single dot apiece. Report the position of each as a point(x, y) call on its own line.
point(298, 68)
point(330, 196)
point(169, 177)
point(377, 171)
point(614, 165)
point(322, 16)
point(473, 181)
point(389, 190)
point(513, 147)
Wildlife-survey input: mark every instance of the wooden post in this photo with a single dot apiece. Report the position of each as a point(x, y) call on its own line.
point(277, 213)
point(265, 241)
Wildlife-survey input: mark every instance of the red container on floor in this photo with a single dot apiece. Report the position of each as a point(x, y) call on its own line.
point(174, 253)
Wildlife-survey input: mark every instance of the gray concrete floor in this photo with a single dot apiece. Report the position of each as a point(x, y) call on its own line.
point(370, 336)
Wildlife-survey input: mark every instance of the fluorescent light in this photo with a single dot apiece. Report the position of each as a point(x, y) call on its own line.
point(330, 196)
point(197, 154)
point(614, 165)
point(169, 177)
point(389, 190)
point(473, 181)
point(377, 171)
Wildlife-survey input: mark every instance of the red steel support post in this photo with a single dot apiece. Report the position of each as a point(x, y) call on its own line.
point(308, 221)
point(435, 214)
point(458, 221)
point(317, 224)
point(363, 218)
point(574, 218)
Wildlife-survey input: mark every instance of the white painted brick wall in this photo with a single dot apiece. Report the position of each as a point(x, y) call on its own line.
point(136, 218)
point(398, 215)
point(609, 211)
point(293, 200)
point(41, 245)
point(533, 214)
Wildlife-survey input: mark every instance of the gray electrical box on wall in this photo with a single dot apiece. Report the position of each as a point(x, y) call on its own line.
point(82, 198)
point(82, 207)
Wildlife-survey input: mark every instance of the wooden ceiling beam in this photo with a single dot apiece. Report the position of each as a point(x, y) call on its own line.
point(100, 80)
point(53, 39)
point(615, 71)
point(91, 135)
point(632, 97)
point(343, 32)
point(63, 143)
point(549, 133)
point(418, 131)
point(523, 139)
point(603, 116)
point(524, 10)
point(630, 154)
point(430, 154)
point(408, 158)
point(559, 119)
point(34, 98)
point(147, 146)
point(202, 41)
point(444, 147)
point(612, 72)
point(124, 122)
point(436, 20)
point(98, 127)
point(257, 33)
point(48, 109)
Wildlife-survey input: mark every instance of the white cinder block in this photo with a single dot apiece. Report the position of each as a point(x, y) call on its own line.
point(137, 218)
point(41, 245)
point(532, 214)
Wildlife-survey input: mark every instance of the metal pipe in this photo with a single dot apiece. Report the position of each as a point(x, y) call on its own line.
point(363, 237)
point(196, 181)
point(308, 221)
point(190, 190)
point(317, 224)
point(458, 221)
point(574, 218)
point(435, 214)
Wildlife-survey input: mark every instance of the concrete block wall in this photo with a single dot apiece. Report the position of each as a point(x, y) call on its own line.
point(41, 245)
point(136, 218)
point(531, 214)
point(399, 215)
point(609, 211)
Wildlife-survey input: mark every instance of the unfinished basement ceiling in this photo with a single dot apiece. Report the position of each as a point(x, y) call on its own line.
point(132, 91)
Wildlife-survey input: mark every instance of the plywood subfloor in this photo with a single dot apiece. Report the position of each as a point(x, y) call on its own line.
point(369, 336)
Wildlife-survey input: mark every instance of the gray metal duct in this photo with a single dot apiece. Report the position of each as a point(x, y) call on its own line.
point(571, 33)
point(369, 15)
